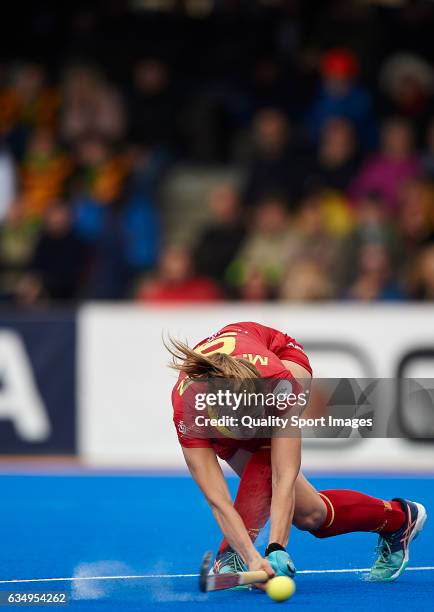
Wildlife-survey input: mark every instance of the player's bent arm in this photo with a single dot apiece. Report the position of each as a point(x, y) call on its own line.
point(285, 465)
point(206, 471)
point(285, 462)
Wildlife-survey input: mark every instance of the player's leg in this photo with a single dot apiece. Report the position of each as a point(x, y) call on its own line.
point(310, 510)
point(397, 522)
point(253, 499)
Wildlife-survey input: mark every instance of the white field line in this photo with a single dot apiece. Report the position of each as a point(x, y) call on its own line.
point(428, 568)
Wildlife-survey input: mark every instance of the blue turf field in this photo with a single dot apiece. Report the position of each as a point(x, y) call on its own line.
point(85, 526)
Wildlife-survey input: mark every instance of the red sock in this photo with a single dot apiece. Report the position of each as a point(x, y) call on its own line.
point(253, 498)
point(349, 511)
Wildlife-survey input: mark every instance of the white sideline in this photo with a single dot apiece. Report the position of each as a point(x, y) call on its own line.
point(426, 568)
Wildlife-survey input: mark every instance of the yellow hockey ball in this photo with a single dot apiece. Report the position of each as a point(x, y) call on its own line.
point(280, 588)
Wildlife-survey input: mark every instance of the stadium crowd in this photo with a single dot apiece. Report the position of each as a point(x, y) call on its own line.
point(335, 200)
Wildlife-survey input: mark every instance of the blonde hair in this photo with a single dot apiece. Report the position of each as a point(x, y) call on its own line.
point(217, 365)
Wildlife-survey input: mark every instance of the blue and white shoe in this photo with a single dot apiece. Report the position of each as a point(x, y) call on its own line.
point(393, 548)
point(228, 562)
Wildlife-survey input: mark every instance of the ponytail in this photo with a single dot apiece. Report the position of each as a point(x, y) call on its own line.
point(217, 365)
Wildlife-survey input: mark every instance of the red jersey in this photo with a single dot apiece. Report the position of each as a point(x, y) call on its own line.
point(265, 348)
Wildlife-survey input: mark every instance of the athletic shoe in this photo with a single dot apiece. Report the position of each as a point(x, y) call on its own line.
point(228, 562)
point(393, 548)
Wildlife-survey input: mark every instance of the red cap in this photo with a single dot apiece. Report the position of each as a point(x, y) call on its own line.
point(339, 63)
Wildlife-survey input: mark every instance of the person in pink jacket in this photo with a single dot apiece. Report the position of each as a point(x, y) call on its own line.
point(386, 172)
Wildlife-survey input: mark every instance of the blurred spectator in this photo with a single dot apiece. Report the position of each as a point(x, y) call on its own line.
point(152, 111)
point(214, 108)
point(100, 172)
point(57, 258)
point(386, 171)
point(372, 226)
point(17, 237)
point(256, 289)
point(123, 241)
point(372, 222)
point(337, 160)
point(29, 292)
point(307, 282)
point(124, 236)
point(220, 239)
point(374, 281)
point(26, 102)
point(90, 106)
point(176, 280)
point(7, 181)
point(312, 242)
point(265, 249)
point(37, 102)
point(273, 167)
point(424, 275)
point(407, 82)
point(416, 219)
point(340, 95)
point(116, 220)
point(428, 156)
point(415, 225)
point(147, 168)
point(44, 170)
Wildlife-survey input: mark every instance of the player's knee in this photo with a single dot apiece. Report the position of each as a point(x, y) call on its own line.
point(310, 521)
